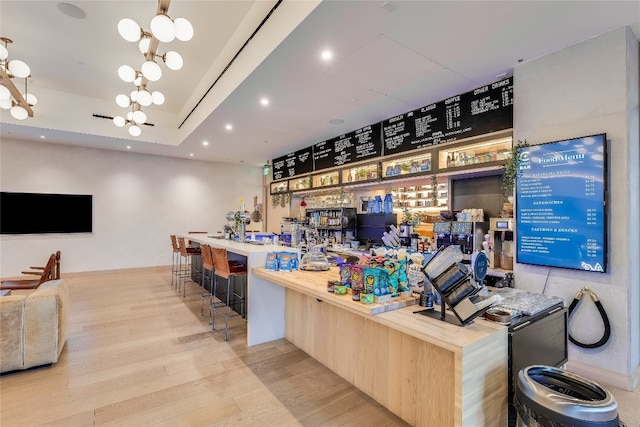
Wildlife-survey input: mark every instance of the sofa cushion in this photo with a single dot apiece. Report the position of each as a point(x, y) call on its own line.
point(45, 324)
point(11, 329)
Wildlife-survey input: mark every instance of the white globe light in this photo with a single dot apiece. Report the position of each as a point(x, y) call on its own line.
point(163, 29)
point(139, 116)
point(144, 45)
point(129, 30)
point(184, 29)
point(30, 98)
point(134, 96)
point(144, 98)
point(127, 73)
point(19, 69)
point(122, 100)
point(4, 93)
point(4, 53)
point(5, 104)
point(130, 115)
point(119, 121)
point(134, 130)
point(173, 60)
point(19, 113)
point(151, 70)
point(157, 97)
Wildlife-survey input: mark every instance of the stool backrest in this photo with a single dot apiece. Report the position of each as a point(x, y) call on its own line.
point(183, 246)
point(207, 257)
point(221, 262)
point(174, 243)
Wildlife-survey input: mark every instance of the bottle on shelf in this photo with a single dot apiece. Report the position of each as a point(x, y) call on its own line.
point(377, 207)
point(388, 203)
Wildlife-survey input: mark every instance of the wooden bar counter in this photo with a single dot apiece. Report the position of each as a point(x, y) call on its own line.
point(427, 371)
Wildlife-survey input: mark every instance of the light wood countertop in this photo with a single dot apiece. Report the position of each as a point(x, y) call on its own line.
point(450, 336)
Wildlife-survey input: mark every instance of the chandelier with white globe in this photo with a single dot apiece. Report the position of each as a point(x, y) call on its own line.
point(11, 98)
point(165, 30)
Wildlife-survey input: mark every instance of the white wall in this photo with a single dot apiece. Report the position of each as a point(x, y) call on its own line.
point(138, 201)
point(590, 88)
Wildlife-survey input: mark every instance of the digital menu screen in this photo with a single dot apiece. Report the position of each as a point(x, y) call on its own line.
point(561, 205)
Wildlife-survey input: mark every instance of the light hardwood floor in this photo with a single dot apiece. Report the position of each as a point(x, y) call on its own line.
point(139, 354)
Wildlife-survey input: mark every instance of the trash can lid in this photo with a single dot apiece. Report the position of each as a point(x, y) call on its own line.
point(554, 392)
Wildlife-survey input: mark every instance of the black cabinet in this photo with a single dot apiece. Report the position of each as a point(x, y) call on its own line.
point(371, 227)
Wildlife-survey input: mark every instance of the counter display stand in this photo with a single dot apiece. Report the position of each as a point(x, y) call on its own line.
point(453, 281)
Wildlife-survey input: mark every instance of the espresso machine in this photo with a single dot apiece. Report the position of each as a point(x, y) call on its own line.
point(405, 233)
point(468, 235)
point(442, 230)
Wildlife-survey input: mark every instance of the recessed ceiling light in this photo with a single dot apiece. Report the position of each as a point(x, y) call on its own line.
point(191, 154)
point(128, 147)
point(228, 127)
point(264, 101)
point(41, 136)
point(326, 55)
point(205, 143)
point(336, 121)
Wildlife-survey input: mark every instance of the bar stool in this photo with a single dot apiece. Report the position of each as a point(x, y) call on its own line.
point(175, 259)
point(186, 254)
point(207, 272)
point(230, 271)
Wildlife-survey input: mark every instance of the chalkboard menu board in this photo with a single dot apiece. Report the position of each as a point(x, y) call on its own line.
point(560, 199)
point(351, 147)
point(293, 164)
point(484, 110)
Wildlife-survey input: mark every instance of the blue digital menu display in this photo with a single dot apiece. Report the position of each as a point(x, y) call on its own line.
point(560, 201)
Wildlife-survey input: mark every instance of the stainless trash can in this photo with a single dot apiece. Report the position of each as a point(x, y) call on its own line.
point(551, 397)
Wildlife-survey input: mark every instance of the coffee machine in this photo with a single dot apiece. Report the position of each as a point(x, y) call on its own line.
point(468, 235)
point(404, 234)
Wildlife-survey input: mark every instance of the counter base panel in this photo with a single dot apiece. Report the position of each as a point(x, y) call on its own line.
point(424, 384)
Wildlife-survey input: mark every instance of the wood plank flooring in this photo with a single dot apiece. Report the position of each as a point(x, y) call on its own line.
point(139, 354)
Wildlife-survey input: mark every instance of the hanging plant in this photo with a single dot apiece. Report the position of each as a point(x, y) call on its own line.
point(275, 200)
point(434, 190)
point(510, 170)
point(285, 200)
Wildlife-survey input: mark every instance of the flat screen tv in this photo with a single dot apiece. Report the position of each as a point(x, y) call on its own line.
point(561, 204)
point(39, 213)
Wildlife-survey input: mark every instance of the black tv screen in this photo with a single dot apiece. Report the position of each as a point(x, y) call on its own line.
point(39, 213)
point(561, 204)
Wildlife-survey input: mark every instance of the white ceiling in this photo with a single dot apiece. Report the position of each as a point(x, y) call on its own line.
point(389, 58)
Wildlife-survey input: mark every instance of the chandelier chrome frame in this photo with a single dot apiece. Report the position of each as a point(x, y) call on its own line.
point(10, 97)
point(163, 29)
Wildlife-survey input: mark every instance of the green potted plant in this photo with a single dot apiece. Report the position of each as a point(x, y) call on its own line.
point(510, 171)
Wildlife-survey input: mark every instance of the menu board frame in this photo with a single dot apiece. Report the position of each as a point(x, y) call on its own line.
point(561, 204)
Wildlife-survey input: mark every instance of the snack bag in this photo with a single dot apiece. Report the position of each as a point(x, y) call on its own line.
point(272, 262)
point(403, 281)
point(393, 268)
point(345, 275)
point(357, 276)
point(295, 263)
point(285, 261)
